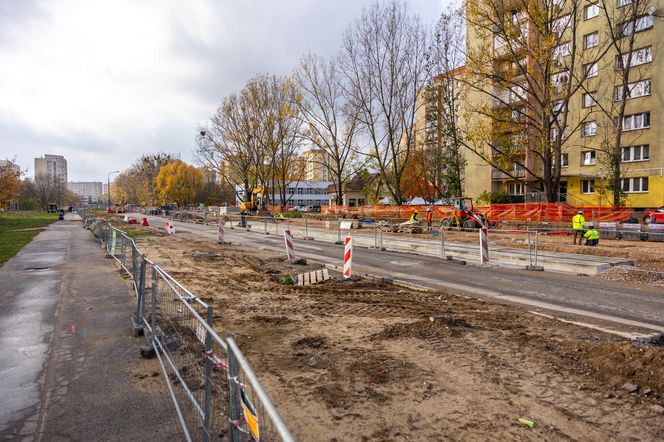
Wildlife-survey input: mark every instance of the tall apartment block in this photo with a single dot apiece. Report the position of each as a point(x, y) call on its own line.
point(52, 166)
point(316, 165)
point(585, 85)
point(91, 191)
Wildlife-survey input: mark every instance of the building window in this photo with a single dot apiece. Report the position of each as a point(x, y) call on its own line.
point(641, 24)
point(558, 106)
point(589, 100)
point(516, 189)
point(561, 51)
point(634, 90)
point(587, 186)
point(591, 11)
point(622, 3)
point(564, 160)
point(564, 136)
point(560, 79)
point(635, 153)
point(591, 40)
point(591, 70)
point(588, 157)
point(636, 121)
point(634, 185)
point(589, 129)
point(639, 57)
point(559, 25)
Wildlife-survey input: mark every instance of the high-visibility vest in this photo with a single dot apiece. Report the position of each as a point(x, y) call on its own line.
point(591, 234)
point(578, 222)
point(413, 217)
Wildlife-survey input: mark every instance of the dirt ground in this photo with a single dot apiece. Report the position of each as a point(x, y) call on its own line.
point(369, 360)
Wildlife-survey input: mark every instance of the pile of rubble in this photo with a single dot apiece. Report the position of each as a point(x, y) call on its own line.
point(633, 274)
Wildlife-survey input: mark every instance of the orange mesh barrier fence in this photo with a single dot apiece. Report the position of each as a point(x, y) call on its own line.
point(525, 212)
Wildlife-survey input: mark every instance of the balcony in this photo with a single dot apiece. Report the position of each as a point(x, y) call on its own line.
point(517, 172)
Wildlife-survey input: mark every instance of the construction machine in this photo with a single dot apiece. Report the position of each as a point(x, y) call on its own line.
point(254, 203)
point(463, 215)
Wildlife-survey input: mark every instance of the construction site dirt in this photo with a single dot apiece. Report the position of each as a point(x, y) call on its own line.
point(371, 360)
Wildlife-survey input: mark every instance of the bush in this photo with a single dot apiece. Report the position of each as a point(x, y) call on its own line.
point(501, 197)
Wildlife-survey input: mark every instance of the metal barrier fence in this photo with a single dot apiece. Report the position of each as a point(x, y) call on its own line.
point(214, 389)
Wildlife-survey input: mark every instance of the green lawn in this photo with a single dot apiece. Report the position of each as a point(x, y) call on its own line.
point(18, 228)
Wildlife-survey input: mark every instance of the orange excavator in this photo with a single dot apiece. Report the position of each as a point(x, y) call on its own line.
point(463, 215)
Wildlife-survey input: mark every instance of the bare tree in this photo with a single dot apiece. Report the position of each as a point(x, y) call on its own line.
point(526, 79)
point(47, 190)
point(625, 22)
point(443, 136)
point(227, 144)
point(384, 62)
point(330, 123)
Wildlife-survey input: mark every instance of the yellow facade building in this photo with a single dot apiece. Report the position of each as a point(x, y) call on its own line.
point(590, 126)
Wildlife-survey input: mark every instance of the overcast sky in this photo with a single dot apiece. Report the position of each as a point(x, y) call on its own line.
point(104, 81)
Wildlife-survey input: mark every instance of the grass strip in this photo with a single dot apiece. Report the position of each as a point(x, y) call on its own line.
point(18, 228)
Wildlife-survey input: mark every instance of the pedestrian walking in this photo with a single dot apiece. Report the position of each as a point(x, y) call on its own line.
point(429, 218)
point(578, 225)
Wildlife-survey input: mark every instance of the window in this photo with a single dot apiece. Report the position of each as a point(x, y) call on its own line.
point(561, 24)
point(564, 136)
point(589, 129)
point(587, 186)
point(641, 24)
point(639, 57)
point(564, 159)
point(588, 157)
point(589, 99)
point(634, 90)
point(636, 121)
point(562, 50)
point(634, 185)
point(622, 3)
point(635, 153)
point(590, 40)
point(591, 11)
point(558, 106)
point(499, 45)
point(591, 70)
point(517, 189)
point(559, 80)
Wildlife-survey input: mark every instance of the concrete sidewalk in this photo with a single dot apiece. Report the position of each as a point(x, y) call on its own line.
point(66, 347)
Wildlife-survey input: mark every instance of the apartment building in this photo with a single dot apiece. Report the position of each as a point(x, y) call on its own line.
point(54, 167)
point(87, 191)
point(586, 71)
point(316, 165)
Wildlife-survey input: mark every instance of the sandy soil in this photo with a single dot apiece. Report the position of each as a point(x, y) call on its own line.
point(367, 360)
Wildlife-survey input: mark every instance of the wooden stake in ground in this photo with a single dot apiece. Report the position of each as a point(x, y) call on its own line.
point(288, 239)
point(220, 231)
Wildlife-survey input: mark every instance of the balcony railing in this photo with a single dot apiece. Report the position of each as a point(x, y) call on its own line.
point(498, 175)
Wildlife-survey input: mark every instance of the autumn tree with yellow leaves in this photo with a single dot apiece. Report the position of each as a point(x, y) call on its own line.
point(179, 182)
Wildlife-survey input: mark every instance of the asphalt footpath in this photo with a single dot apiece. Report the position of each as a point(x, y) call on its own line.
point(66, 348)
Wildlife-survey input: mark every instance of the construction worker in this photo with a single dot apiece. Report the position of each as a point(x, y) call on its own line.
point(591, 236)
point(429, 218)
point(413, 217)
point(578, 225)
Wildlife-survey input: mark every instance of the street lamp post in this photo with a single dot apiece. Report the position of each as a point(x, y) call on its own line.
point(108, 179)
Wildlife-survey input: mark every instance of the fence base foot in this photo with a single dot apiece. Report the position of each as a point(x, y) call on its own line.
point(169, 342)
point(136, 327)
point(338, 242)
point(308, 238)
point(382, 249)
point(535, 268)
point(224, 242)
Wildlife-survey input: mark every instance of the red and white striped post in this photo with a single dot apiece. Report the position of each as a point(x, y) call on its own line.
point(348, 257)
point(484, 245)
point(169, 227)
point(220, 231)
point(288, 239)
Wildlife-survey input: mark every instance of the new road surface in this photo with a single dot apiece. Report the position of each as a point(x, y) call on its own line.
point(623, 307)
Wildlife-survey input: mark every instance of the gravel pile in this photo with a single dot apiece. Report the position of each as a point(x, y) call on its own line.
point(633, 274)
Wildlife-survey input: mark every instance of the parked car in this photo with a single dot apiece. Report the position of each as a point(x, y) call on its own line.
point(655, 216)
point(307, 208)
point(296, 208)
